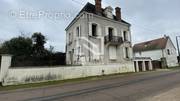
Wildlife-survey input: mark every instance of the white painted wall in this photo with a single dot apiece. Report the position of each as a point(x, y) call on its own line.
point(154, 54)
point(42, 74)
point(172, 58)
point(102, 29)
point(5, 64)
point(158, 54)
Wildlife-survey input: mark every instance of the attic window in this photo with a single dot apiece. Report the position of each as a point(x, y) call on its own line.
point(108, 12)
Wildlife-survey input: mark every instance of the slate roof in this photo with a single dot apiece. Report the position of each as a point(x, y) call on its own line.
point(151, 45)
point(90, 8)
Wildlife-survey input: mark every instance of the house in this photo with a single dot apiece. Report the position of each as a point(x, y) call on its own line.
point(98, 36)
point(162, 51)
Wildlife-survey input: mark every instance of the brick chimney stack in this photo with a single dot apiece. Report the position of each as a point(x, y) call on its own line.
point(118, 13)
point(98, 6)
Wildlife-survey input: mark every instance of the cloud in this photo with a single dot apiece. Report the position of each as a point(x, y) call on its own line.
point(149, 19)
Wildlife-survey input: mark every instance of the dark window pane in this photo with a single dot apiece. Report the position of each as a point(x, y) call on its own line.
point(94, 30)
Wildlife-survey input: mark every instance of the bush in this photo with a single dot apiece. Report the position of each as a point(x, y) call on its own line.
point(48, 60)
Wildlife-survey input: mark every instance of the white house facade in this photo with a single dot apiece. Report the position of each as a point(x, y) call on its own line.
point(157, 50)
point(97, 36)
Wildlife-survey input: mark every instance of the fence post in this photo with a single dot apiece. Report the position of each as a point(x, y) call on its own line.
point(5, 64)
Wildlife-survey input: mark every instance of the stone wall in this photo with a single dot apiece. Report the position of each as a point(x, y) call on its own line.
point(25, 75)
point(43, 74)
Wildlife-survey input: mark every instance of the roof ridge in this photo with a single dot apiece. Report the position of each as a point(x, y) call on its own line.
point(149, 41)
point(159, 43)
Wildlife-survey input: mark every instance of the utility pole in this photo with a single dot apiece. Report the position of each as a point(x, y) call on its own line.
point(178, 49)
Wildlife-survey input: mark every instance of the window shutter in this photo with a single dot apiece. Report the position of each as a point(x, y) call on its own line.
point(124, 52)
point(128, 36)
point(106, 31)
point(130, 53)
point(79, 30)
point(95, 55)
point(115, 32)
point(122, 34)
point(99, 30)
point(112, 52)
point(90, 29)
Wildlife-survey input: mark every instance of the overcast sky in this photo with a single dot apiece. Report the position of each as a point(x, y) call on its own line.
point(150, 19)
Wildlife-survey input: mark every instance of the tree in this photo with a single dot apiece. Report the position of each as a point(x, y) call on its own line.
point(17, 46)
point(38, 44)
point(51, 49)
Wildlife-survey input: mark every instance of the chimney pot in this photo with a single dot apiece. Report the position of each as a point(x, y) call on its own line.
point(118, 13)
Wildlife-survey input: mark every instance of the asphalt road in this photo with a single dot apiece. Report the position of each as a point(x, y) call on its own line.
point(133, 87)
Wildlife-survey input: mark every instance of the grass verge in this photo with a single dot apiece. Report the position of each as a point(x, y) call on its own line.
point(174, 68)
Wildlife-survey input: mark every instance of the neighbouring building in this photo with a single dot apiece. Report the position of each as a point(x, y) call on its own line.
point(162, 52)
point(98, 36)
point(143, 64)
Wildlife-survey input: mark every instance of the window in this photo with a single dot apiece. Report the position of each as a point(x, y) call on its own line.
point(127, 52)
point(79, 52)
point(94, 29)
point(78, 31)
point(69, 37)
point(112, 52)
point(168, 52)
point(110, 31)
point(125, 35)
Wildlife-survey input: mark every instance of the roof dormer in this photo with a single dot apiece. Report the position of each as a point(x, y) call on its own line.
point(108, 12)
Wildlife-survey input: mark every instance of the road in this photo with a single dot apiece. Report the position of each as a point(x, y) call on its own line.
point(133, 87)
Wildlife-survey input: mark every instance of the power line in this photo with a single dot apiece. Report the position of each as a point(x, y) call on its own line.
point(77, 2)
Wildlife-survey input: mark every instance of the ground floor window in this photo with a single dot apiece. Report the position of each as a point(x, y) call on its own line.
point(126, 52)
point(112, 52)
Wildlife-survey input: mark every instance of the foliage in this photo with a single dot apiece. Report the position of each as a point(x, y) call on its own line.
point(17, 46)
point(31, 51)
point(53, 59)
point(38, 44)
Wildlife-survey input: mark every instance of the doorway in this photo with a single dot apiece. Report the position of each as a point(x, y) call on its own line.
point(140, 64)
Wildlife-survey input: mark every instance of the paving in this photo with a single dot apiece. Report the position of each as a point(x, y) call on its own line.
point(150, 86)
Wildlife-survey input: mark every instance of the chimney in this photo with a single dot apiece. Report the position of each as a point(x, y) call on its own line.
point(118, 13)
point(98, 6)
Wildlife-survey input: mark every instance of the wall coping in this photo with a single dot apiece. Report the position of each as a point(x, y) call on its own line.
point(6, 55)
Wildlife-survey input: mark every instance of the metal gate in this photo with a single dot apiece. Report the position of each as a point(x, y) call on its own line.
point(157, 64)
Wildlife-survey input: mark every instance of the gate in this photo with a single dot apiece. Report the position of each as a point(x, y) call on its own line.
point(157, 64)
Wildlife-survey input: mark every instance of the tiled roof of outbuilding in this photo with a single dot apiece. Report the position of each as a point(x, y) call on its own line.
point(151, 45)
